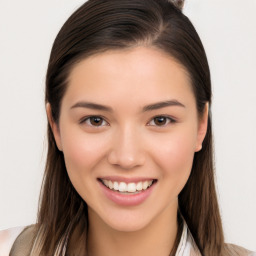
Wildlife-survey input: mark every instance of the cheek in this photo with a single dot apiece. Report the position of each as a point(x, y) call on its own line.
point(175, 156)
point(180, 153)
point(177, 167)
point(82, 151)
point(176, 149)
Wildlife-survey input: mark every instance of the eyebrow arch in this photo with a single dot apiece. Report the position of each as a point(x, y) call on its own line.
point(91, 105)
point(162, 104)
point(158, 105)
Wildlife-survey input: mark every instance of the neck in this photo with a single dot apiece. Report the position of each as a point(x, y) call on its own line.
point(157, 238)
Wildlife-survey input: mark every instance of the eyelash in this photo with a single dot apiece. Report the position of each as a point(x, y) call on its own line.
point(89, 118)
point(168, 120)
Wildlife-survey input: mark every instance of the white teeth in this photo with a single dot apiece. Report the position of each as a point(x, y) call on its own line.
point(116, 187)
point(127, 187)
point(122, 187)
point(139, 186)
point(145, 185)
point(106, 182)
point(110, 184)
point(131, 187)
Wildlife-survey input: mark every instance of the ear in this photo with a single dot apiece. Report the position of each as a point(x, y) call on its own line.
point(54, 126)
point(202, 128)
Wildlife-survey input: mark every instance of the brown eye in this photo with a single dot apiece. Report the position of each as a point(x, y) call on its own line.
point(161, 121)
point(96, 121)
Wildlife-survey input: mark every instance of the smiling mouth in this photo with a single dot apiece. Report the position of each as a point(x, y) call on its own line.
point(128, 188)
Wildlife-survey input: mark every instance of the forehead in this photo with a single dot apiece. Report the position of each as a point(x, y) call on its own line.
point(141, 73)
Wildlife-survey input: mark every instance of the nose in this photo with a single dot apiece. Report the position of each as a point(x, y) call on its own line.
point(127, 149)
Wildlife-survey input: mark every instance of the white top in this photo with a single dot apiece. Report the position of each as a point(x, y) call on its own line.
point(7, 238)
point(186, 246)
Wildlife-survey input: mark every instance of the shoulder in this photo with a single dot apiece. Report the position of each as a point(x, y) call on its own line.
point(10, 238)
point(236, 250)
point(7, 238)
point(190, 248)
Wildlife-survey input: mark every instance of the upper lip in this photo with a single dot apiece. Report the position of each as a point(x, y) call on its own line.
point(126, 179)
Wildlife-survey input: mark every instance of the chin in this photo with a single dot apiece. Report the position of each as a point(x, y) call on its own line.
point(128, 225)
point(122, 220)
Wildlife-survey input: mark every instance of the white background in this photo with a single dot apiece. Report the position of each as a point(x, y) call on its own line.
point(228, 31)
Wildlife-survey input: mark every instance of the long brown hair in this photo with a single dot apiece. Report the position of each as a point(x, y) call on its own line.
point(98, 26)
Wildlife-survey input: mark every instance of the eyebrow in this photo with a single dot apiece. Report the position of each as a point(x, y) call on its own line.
point(91, 105)
point(151, 107)
point(163, 104)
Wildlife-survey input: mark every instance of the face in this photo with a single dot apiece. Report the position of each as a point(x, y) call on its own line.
point(128, 130)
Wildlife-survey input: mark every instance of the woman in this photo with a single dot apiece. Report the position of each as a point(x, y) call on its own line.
point(128, 172)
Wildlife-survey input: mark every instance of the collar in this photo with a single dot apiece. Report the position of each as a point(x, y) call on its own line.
point(187, 246)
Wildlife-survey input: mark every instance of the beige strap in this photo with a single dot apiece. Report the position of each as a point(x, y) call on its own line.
point(7, 238)
point(23, 243)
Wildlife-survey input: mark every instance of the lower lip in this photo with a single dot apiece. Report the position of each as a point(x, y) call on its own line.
point(127, 199)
